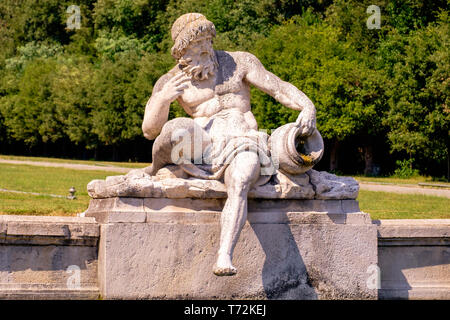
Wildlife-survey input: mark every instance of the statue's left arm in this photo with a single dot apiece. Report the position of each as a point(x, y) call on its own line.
point(282, 91)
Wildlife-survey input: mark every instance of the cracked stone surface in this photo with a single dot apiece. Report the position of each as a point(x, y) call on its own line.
point(171, 182)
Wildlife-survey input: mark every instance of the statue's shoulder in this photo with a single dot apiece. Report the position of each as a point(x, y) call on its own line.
point(241, 59)
point(236, 55)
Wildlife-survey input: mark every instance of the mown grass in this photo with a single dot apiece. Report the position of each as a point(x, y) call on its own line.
point(386, 205)
point(44, 180)
point(379, 205)
point(23, 204)
point(395, 180)
point(90, 162)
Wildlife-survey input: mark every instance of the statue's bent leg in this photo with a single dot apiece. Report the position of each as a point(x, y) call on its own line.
point(165, 142)
point(243, 171)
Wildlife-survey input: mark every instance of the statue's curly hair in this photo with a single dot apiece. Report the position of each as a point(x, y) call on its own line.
point(188, 27)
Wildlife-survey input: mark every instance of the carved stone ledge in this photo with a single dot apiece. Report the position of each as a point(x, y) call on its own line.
point(172, 183)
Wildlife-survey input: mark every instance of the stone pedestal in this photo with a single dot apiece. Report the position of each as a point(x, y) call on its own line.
point(157, 248)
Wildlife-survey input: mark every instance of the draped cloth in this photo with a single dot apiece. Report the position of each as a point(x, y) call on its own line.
point(229, 135)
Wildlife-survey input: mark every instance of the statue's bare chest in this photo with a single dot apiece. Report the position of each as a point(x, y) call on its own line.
point(201, 91)
point(225, 84)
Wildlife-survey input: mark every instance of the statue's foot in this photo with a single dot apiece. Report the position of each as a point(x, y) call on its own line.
point(225, 271)
point(224, 267)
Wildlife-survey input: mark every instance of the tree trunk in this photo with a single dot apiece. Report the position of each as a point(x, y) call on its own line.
point(368, 160)
point(115, 153)
point(448, 163)
point(334, 155)
point(410, 161)
point(64, 150)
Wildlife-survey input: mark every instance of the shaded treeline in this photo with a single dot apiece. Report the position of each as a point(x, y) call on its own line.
point(382, 95)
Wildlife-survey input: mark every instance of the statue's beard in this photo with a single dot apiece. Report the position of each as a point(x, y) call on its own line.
point(200, 68)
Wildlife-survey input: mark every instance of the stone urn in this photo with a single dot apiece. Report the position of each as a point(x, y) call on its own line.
point(294, 153)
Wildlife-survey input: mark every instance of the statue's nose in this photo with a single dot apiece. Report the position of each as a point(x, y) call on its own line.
point(205, 46)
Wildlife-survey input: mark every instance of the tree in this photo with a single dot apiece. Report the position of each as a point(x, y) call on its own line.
point(70, 94)
point(88, 87)
point(419, 116)
point(348, 95)
point(119, 93)
point(131, 19)
point(29, 114)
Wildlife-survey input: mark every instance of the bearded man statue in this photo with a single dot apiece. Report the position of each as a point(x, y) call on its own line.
point(223, 141)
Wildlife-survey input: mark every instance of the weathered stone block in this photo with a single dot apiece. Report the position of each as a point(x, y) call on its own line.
point(293, 249)
point(38, 256)
point(414, 258)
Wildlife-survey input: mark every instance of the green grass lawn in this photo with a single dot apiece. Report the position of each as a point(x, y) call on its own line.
point(48, 181)
point(394, 180)
point(384, 205)
point(90, 162)
point(379, 205)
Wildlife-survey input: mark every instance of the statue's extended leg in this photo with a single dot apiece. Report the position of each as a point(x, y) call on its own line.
point(243, 171)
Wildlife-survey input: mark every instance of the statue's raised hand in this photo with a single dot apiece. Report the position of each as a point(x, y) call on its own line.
point(174, 87)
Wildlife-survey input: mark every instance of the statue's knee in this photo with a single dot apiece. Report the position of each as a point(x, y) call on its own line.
point(173, 130)
point(238, 188)
point(243, 173)
point(246, 164)
point(177, 123)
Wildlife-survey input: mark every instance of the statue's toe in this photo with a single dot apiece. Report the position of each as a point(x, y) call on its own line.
point(225, 271)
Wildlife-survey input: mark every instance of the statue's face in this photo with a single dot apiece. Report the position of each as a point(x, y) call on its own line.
point(198, 49)
point(199, 59)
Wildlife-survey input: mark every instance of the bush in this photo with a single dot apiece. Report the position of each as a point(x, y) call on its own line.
point(404, 169)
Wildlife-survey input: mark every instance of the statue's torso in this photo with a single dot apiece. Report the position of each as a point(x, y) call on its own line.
point(227, 89)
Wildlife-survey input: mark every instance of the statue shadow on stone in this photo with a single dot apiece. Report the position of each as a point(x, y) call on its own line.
point(20, 257)
point(284, 274)
point(226, 73)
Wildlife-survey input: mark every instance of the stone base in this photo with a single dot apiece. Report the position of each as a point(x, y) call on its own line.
point(414, 258)
point(38, 256)
point(157, 248)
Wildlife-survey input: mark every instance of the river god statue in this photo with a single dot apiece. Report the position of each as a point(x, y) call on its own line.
point(221, 140)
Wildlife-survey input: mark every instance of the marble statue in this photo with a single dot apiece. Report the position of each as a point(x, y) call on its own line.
point(219, 153)
point(221, 141)
point(216, 178)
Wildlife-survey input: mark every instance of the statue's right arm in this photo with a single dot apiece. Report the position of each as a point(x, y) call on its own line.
point(156, 111)
point(166, 90)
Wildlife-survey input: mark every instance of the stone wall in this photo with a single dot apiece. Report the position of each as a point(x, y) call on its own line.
point(414, 258)
point(40, 257)
point(48, 257)
point(288, 249)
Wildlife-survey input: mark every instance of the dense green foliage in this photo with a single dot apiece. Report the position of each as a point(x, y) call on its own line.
point(382, 95)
